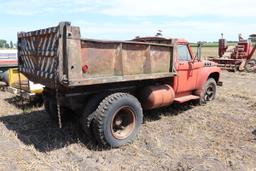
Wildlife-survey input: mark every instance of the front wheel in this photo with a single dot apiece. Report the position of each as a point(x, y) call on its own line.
point(117, 120)
point(209, 91)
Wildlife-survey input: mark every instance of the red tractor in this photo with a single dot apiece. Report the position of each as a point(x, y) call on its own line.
point(239, 57)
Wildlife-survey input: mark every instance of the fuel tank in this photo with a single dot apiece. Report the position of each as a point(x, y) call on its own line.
point(157, 96)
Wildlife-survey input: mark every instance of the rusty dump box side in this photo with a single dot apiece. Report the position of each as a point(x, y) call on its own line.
point(59, 55)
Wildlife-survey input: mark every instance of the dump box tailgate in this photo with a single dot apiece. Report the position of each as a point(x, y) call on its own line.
point(59, 55)
point(37, 54)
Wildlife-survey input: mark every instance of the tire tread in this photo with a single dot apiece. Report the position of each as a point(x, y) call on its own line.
point(100, 114)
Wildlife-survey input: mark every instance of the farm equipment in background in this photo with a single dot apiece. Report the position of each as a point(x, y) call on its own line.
point(13, 81)
point(18, 84)
point(240, 57)
point(8, 59)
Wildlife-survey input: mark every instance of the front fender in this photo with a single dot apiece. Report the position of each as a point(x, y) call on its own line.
point(206, 73)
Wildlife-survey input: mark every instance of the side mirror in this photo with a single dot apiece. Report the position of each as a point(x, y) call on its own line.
point(199, 50)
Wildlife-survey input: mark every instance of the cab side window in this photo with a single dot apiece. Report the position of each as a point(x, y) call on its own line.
point(183, 53)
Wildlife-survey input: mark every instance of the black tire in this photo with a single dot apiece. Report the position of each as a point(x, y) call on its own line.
point(89, 113)
point(51, 109)
point(209, 91)
point(47, 107)
point(250, 66)
point(117, 120)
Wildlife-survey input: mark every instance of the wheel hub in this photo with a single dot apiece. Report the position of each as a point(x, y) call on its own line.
point(209, 95)
point(123, 123)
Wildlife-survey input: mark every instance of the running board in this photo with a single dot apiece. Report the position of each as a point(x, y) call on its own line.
point(186, 98)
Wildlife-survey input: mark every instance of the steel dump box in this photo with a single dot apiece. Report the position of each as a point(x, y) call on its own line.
point(59, 55)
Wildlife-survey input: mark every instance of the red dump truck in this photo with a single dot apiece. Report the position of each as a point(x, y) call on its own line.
point(110, 83)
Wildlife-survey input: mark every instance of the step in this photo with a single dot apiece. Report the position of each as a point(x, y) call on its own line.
point(186, 98)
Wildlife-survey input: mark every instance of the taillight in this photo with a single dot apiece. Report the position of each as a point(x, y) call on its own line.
point(85, 68)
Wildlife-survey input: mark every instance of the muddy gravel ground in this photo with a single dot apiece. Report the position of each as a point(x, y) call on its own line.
point(220, 135)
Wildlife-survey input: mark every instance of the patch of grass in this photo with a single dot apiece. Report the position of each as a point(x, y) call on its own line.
point(207, 51)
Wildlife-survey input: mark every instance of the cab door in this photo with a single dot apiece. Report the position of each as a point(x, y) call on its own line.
point(187, 70)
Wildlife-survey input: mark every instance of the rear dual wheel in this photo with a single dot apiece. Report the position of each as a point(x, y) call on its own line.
point(51, 109)
point(89, 114)
point(117, 120)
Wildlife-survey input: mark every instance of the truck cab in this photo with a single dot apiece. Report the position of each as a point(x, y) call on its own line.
point(190, 83)
point(194, 74)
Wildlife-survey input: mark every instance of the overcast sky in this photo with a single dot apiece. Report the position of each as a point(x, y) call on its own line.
point(124, 19)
